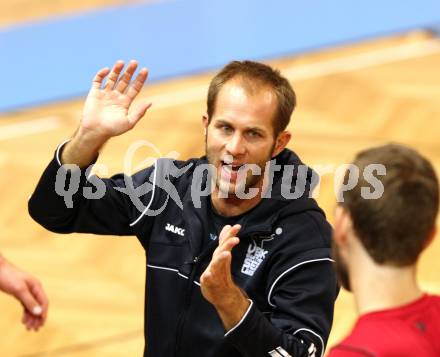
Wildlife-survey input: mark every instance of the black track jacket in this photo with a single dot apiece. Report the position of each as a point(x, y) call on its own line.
point(282, 261)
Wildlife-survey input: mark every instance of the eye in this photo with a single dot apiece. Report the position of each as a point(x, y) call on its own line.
point(253, 134)
point(226, 129)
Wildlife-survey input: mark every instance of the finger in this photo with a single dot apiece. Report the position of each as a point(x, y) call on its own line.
point(229, 244)
point(99, 77)
point(138, 83)
point(226, 247)
point(32, 322)
point(235, 229)
point(224, 232)
point(28, 300)
point(221, 266)
point(114, 74)
point(25, 318)
point(37, 323)
point(125, 79)
point(218, 262)
point(228, 233)
point(226, 261)
point(40, 295)
point(137, 114)
point(28, 320)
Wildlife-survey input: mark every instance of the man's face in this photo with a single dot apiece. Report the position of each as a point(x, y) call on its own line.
point(240, 132)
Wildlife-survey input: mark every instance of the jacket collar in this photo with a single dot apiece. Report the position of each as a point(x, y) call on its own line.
point(260, 220)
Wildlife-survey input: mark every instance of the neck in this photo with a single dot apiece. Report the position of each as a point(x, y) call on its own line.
point(380, 287)
point(232, 205)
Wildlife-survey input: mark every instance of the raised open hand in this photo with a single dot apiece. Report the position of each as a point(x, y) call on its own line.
point(216, 281)
point(107, 111)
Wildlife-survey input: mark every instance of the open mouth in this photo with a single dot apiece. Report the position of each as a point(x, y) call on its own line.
point(231, 167)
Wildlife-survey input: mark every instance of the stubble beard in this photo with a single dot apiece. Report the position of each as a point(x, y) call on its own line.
point(341, 268)
point(228, 189)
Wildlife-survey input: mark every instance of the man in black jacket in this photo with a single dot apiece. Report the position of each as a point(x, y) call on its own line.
point(238, 264)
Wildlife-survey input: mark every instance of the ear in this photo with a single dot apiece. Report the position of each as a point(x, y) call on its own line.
point(205, 121)
point(342, 226)
point(281, 142)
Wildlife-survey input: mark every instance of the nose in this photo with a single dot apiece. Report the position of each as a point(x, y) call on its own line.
point(236, 145)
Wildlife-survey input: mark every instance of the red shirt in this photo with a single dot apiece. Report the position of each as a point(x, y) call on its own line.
point(412, 330)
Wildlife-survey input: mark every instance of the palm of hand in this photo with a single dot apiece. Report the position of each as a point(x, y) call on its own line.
point(107, 110)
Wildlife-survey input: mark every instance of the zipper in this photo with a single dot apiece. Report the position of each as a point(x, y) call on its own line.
point(186, 303)
point(195, 262)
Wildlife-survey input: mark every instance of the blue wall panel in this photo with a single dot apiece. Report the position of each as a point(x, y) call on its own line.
point(56, 59)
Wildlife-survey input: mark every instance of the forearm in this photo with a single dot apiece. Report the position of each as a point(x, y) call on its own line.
point(5, 265)
point(301, 318)
point(231, 312)
point(66, 201)
point(256, 336)
point(49, 208)
point(83, 149)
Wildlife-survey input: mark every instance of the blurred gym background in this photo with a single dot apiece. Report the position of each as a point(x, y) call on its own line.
point(365, 73)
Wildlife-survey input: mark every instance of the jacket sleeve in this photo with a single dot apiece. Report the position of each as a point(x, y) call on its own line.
point(301, 292)
point(301, 321)
point(65, 201)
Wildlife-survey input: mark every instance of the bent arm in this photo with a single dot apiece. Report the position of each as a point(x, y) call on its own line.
point(60, 202)
point(109, 211)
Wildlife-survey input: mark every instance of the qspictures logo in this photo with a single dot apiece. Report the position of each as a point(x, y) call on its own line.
point(297, 181)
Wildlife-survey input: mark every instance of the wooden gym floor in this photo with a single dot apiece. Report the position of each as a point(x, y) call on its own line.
point(349, 98)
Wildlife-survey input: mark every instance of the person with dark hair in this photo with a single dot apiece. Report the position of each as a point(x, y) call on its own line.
point(377, 243)
point(235, 267)
point(27, 290)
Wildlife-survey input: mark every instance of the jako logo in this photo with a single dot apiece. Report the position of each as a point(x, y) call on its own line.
point(174, 229)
